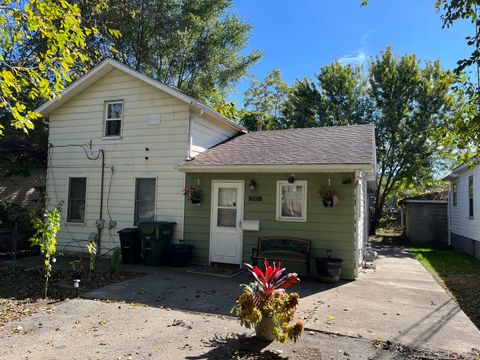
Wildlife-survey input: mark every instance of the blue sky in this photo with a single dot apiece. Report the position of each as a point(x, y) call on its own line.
point(300, 36)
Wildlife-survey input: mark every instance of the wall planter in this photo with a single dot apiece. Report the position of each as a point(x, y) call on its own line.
point(329, 268)
point(329, 197)
point(193, 194)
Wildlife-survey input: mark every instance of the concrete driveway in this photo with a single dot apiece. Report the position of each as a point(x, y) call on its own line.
point(398, 301)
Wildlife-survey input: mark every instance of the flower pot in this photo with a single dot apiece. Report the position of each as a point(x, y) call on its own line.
point(328, 203)
point(264, 329)
point(329, 269)
point(196, 200)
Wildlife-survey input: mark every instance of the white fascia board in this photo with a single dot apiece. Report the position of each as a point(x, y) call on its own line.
point(276, 168)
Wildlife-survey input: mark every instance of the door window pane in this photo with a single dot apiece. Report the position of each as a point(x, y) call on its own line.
point(227, 197)
point(227, 217)
point(77, 190)
point(144, 200)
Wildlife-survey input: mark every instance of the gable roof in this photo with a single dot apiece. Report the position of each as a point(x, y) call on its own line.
point(108, 65)
point(332, 147)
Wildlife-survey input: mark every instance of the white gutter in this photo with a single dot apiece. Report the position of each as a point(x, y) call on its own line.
point(334, 168)
point(425, 201)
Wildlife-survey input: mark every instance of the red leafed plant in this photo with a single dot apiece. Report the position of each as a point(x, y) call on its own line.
point(266, 298)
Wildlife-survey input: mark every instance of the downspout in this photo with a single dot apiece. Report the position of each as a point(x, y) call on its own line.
point(100, 217)
point(449, 202)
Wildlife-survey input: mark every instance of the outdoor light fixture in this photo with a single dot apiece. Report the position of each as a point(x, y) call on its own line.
point(76, 285)
point(253, 185)
point(291, 179)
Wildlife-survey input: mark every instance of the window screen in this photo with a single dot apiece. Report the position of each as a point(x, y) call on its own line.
point(144, 199)
point(77, 191)
point(113, 118)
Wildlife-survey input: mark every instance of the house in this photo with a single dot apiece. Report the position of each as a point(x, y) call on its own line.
point(464, 209)
point(267, 183)
point(115, 138)
point(25, 191)
point(424, 217)
point(124, 146)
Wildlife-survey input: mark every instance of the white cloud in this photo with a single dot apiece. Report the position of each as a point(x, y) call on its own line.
point(359, 56)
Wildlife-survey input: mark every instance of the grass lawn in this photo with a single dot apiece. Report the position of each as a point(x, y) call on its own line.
point(459, 273)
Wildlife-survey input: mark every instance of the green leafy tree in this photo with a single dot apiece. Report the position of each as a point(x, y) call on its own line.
point(411, 102)
point(28, 73)
point(338, 97)
point(267, 98)
point(197, 46)
point(46, 229)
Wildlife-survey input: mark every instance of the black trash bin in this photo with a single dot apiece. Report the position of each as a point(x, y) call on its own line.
point(156, 237)
point(131, 246)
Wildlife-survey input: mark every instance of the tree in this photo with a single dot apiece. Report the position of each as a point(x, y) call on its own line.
point(466, 128)
point(196, 46)
point(337, 98)
point(266, 98)
point(28, 74)
point(411, 102)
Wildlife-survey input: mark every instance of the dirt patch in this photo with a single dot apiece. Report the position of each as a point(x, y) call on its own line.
point(21, 289)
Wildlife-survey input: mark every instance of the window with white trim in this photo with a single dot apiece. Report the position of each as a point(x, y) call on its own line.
point(113, 118)
point(470, 196)
point(144, 200)
point(291, 201)
point(77, 191)
point(454, 194)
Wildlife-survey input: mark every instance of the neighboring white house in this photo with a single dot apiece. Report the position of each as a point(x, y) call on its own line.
point(139, 130)
point(464, 209)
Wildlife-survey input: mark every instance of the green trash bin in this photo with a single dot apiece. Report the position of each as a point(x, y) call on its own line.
point(156, 237)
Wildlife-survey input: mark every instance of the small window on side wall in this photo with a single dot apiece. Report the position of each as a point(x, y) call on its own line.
point(144, 200)
point(454, 194)
point(113, 118)
point(470, 197)
point(292, 201)
point(77, 191)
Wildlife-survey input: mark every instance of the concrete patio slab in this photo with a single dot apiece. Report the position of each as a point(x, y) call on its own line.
point(398, 301)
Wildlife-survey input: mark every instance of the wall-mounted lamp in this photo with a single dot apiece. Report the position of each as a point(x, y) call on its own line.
point(291, 179)
point(253, 185)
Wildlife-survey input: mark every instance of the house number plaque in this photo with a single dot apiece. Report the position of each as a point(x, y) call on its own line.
point(255, 198)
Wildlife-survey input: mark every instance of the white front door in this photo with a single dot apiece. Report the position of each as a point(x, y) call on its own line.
point(226, 222)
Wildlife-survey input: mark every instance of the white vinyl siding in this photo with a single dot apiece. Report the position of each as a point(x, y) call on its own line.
point(81, 121)
point(204, 134)
point(460, 221)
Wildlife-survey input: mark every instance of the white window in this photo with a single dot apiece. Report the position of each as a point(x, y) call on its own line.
point(113, 118)
point(77, 190)
point(144, 200)
point(470, 196)
point(292, 201)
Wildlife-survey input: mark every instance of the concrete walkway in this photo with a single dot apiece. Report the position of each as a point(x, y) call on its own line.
point(398, 301)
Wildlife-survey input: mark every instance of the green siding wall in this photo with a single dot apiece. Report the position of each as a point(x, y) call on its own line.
point(327, 228)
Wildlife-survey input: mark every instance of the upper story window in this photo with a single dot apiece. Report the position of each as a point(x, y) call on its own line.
point(454, 194)
point(113, 118)
point(470, 196)
point(292, 201)
point(77, 191)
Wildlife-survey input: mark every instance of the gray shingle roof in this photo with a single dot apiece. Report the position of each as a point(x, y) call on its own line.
point(312, 146)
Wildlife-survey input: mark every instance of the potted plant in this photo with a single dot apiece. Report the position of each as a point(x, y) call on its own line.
point(329, 269)
point(266, 306)
point(192, 194)
point(329, 197)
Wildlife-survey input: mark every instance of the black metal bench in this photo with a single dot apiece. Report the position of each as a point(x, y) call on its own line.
point(284, 249)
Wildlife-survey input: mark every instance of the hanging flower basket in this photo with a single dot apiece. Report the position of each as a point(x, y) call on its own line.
point(329, 197)
point(193, 194)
